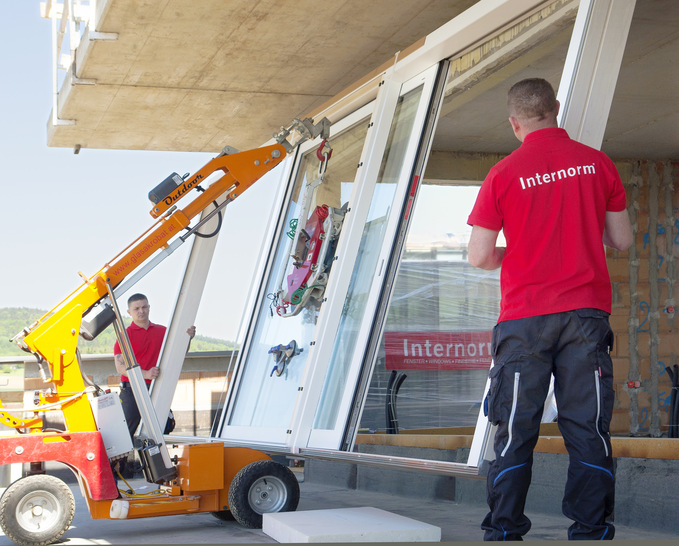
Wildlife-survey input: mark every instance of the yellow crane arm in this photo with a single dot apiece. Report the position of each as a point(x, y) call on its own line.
point(54, 337)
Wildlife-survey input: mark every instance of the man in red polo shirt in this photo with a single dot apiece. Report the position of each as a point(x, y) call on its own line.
point(146, 339)
point(558, 203)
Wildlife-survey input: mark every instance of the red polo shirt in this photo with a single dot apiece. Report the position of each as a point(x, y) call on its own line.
point(146, 344)
point(550, 198)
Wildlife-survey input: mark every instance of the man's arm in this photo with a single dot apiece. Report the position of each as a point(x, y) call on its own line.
point(120, 364)
point(618, 230)
point(482, 251)
point(121, 368)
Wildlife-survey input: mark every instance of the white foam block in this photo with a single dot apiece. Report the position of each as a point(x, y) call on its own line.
point(363, 524)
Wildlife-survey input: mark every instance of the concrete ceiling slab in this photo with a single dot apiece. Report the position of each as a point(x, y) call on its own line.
point(199, 75)
point(196, 75)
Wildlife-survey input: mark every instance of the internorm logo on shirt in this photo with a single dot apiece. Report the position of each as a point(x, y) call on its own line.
point(561, 174)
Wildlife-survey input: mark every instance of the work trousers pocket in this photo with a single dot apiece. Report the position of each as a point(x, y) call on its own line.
point(606, 393)
point(595, 326)
point(498, 402)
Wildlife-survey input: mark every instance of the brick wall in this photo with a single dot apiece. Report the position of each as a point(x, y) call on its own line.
point(645, 283)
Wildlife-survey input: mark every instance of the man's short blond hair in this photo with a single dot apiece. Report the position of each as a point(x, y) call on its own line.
point(532, 99)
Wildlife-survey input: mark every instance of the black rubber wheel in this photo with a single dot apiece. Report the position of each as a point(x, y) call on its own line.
point(262, 487)
point(36, 510)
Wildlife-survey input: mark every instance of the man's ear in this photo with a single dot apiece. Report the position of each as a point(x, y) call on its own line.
point(516, 127)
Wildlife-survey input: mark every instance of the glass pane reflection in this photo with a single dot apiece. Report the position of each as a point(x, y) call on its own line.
point(435, 354)
point(366, 263)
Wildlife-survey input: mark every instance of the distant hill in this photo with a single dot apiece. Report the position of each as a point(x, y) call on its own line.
point(15, 319)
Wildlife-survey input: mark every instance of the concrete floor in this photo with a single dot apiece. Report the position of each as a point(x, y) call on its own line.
point(457, 522)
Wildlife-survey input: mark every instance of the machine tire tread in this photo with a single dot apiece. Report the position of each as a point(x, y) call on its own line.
point(250, 477)
point(20, 490)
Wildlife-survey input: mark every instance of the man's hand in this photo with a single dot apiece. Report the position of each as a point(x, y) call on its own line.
point(191, 330)
point(151, 373)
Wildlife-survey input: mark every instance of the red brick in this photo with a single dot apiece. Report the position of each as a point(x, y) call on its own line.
point(669, 343)
point(620, 369)
point(622, 397)
point(623, 299)
point(618, 269)
point(621, 346)
point(619, 321)
point(620, 423)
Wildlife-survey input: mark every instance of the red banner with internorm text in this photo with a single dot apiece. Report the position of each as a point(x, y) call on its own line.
point(437, 350)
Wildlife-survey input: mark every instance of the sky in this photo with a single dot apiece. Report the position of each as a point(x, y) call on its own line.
point(64, 213)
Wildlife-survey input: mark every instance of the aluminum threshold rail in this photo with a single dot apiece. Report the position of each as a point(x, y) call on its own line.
point(445, 468)
point(387, 461)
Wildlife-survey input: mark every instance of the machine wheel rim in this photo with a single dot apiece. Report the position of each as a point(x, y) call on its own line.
point(267, 494)
point(38, 511)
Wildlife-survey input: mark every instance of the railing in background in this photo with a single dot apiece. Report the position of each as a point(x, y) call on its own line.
point(74, 23)
point(196, 402)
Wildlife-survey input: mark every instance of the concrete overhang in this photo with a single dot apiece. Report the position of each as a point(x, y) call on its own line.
point(200, 75)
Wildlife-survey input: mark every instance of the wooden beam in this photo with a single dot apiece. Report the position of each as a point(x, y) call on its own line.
point(550, 441)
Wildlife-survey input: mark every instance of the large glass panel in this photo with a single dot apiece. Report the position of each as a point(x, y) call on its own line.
point(366, 264)
point(277, 354)
point(434, 359)
point(432, 363)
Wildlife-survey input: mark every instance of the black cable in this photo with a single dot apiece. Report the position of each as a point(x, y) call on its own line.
point(396, 379)
point(397, 387)
point(219, 225)
point(389, 413)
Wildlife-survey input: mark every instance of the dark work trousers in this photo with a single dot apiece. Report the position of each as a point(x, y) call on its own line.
point(575, 347)
point(131, 411)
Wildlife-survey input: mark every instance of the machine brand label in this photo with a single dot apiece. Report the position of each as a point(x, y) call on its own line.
point(143, 250)
point(105, 401)
point(181, 190)
point(437, 350)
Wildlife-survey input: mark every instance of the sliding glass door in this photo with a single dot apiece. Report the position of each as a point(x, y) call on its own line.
point(387, 197)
